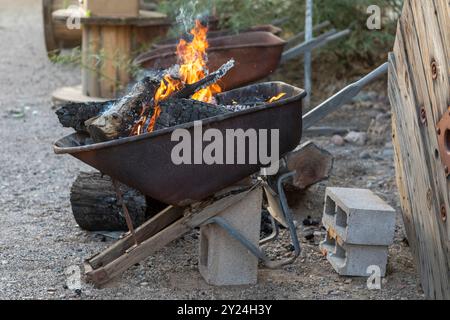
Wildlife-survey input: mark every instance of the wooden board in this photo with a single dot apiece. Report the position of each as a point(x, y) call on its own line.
point(419, 71)
point(72, 94)
point(145, 18)
point(57, 35)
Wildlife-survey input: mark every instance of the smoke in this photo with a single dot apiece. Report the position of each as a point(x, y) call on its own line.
point(187, 15)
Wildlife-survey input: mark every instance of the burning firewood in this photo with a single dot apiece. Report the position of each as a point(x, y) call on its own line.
point(191, 89)
point(74, 115)
point(178, 111)
point(119, 118)
point(118, 121)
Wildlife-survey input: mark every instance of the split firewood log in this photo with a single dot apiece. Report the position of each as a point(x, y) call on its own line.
point(118, 120)
point(210, 79)
point(95, 206)
point(310, 163)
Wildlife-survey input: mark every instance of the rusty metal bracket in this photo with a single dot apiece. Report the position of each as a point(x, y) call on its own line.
point(127, 216)
point(443, 135)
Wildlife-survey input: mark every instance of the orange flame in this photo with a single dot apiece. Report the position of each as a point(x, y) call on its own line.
point(192, 58)
point(193, 62)
point(277, 97)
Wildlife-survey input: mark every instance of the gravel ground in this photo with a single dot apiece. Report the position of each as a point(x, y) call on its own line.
point(39, 239)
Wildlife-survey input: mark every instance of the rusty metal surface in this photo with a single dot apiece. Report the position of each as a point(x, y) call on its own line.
point(257, 54)
point(223, 33)
point(443, 134)
point(144, 162)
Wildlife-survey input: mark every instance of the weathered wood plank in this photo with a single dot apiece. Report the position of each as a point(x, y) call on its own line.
point(147, 230)
point(419, 94)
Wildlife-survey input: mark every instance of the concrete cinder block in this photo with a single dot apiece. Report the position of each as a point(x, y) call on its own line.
point(222, 259)
point(358, 216)
point(353, 260)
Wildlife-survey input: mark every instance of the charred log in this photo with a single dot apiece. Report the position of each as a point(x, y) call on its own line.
point(118, 120)
point(74, 115)
point(210, 79)
point(179, 111)
point(95, 206)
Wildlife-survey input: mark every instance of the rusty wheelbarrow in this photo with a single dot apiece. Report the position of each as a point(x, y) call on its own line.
point(257, 54)
point(145, 162)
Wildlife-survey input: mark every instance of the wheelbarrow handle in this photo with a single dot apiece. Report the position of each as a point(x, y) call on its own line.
point(300, 37)
point(315, 43)
point(342, 97)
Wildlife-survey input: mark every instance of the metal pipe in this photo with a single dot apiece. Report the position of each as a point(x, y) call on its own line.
point(287, 211)
point(239, 237)
point(308, 55)
point(342, 97)
point(273, 235)
point(291, 42)
point(315, 43)
point(305, 46)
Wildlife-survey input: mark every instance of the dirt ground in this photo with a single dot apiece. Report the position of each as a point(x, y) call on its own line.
point(39, 238)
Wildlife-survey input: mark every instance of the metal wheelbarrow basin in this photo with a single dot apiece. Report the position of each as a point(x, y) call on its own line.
point(223, 33)
point(145, 162)
point(257, 54)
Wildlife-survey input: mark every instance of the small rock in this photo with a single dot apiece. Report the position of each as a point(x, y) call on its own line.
point(16, 113)
point(365, 155)
point(290, 247)
point(310, 222)
point(357, 138)
point(144, 284)
point(333, 292)
point(51, 291)
point(348, 281)
point(319, 236)
point(337, 140)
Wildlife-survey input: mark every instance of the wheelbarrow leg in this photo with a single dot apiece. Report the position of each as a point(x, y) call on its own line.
point(144, 232)
point(125, 212)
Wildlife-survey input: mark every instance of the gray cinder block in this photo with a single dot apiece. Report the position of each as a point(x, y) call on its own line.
point(222, 259)
point(353, 260)
point(358, 216)
point(360, 227)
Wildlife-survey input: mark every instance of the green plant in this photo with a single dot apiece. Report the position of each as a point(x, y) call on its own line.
point(370, 46)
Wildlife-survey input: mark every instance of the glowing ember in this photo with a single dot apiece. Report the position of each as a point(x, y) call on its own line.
point(192, 58)
point(276, 98)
